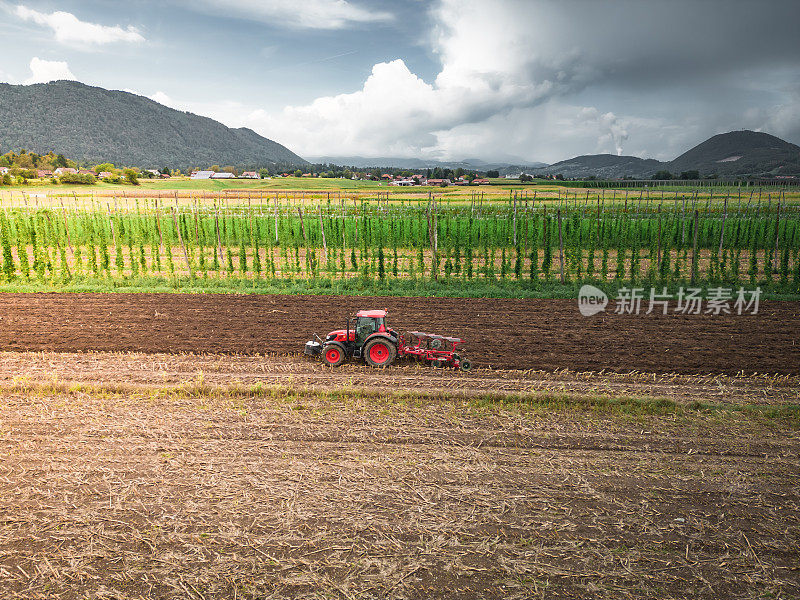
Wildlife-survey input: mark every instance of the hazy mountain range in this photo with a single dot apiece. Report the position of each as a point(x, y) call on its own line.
point(738, 153)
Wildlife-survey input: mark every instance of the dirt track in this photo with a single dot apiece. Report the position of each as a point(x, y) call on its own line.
point(511, 334)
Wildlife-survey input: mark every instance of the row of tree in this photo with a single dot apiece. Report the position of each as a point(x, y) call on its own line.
point(31, 161)
point(685, 175)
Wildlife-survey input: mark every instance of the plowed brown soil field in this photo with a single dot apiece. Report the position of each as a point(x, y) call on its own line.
point(501, 333)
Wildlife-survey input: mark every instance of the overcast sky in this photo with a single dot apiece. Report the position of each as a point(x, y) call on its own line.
point(539, 80)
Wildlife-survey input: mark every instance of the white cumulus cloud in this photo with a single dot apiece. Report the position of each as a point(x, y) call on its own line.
point(307, 14)
point(43, 71)
point(162, 98)
point(68, 29)
point(490, 67)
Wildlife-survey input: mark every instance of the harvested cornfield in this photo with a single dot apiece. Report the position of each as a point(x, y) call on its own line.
point(252, 492)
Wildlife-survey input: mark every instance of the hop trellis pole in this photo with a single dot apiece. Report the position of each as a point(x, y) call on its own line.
point(180, 237)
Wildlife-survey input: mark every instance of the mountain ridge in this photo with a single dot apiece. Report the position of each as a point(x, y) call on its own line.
point(93, 124)
point(731, 154)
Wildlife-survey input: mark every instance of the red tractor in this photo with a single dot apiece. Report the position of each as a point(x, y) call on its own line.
point(371, 339)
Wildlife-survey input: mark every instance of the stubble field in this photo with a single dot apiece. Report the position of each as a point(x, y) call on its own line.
point(171, 446)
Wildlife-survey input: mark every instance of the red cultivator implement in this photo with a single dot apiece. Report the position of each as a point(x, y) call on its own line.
point(371, 339)
point(436, 350)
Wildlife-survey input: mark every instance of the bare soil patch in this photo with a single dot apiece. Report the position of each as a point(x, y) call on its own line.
point(500, 333)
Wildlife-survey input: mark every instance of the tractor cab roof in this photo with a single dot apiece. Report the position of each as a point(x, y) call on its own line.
point(373, 314)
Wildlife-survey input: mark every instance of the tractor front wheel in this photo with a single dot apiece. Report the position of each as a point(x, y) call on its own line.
point(379, 353)
point(333, 356)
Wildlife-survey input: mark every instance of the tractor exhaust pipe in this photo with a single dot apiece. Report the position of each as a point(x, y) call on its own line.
point(347, 337)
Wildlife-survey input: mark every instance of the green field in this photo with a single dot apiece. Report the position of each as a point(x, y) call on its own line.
point(499, 247)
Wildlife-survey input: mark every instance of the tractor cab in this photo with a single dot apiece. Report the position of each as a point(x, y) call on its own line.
point(368, 322)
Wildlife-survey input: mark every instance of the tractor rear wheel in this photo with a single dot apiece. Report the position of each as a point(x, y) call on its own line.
point(379, 353)
point(333, 356)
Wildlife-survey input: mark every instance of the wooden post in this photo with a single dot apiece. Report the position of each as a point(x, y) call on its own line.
point(302, 226)
point(683, 221)
point(777, 226)
point(276, 218)
point(560, 246)
point(515, 219)
point(250, 218)
point(322, 229)
point(196, 210)
point(180, 237)
point(111, 223)
point(694, 247)
point(658, 254)
point(219, 237)
point(598, 221)
point(66, 227)
point(344, 231)
point(433, 237)
point(158, 225)
point(724, 216)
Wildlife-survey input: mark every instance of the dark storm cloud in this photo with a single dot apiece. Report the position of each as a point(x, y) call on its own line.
point(641, 43)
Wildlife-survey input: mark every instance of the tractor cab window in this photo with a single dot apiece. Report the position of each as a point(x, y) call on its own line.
point(366, 326)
